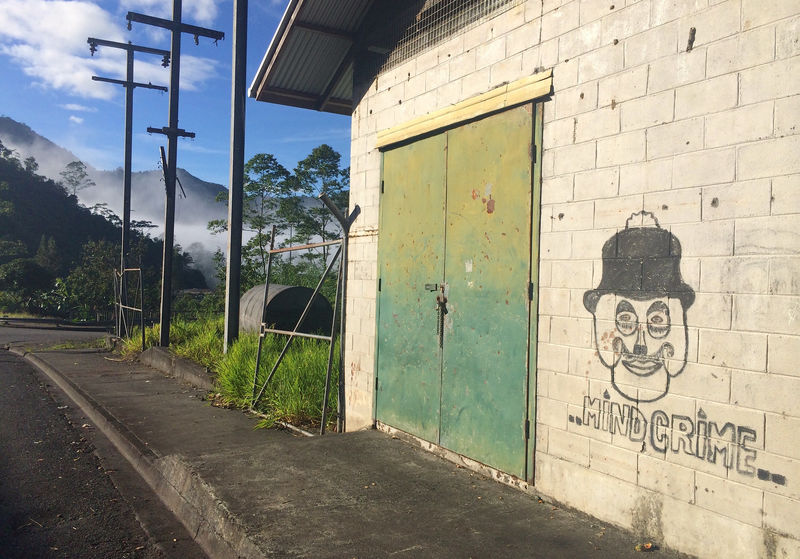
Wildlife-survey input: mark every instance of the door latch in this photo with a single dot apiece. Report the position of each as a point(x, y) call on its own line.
point(441, 310)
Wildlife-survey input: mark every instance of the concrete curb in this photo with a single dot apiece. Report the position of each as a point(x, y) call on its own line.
point(163, 360)
point(179, 487)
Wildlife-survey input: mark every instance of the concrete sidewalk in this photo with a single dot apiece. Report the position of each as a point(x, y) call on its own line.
point(245, 492)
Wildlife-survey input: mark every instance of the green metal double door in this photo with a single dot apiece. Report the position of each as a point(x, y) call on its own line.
point(455, 293)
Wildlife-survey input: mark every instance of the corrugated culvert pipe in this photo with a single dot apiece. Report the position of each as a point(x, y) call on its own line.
point(285, 304)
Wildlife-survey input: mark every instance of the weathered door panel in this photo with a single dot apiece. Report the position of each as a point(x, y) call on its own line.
point(487, 271)
point(411, 256)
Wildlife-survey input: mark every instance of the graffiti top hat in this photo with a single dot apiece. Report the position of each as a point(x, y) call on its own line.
point(641, 263)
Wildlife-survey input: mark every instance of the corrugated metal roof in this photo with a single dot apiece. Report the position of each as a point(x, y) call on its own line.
point(309, 62)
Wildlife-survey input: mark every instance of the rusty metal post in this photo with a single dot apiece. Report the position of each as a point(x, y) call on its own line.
point(233, 278)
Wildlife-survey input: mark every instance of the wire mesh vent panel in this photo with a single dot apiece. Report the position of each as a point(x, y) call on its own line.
point(439, 20)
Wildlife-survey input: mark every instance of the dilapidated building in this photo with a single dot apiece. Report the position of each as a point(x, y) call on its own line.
point(576, 267)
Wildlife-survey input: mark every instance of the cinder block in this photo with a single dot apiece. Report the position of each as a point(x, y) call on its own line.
point(555, 245)
point(596, 124)
point(740, 199)
point(677, 70)
point(728, 498)
point(775, 468)
point(784, 276)
point(759, 12)
point(668, 11)
point(666, 478)
point(706, 97)
point(523, 37)
point(506, 71)
point(571, 273)
point(770, 393)
point(734, 275)
point(554, 301)
point(473, 84)
point(648, 111)
point(622, 87)
point(738, 350)
point(490, 53)
point(559, 132)
point(786, 119)
point(566, 75)
point(574, 158)
point(719, 22)
point(781, 435)
point(557, 189)
point(621, 149)
point(579, 41)
point(600, 63)
point(645, 177)
point(675, 206)
point(462, 65)
point(769, 81)
point(704, 167)
point(711, 310)
point(767, 313)
point(508, 20)
point(551, 413)
point(576, 100)
point(745, 50)
point(558, 21)
point(613, 461)
point(768, 235)
point(623, 23)
point(570, 332)
point(591, 10)
point(651, 45)
point(675, 138)
point(710, 383)
point(782, 514)
point(787, 38)
point(614, 212)
point(599, 183)
point(573, 216)
point(569, 446)
point(737, 126)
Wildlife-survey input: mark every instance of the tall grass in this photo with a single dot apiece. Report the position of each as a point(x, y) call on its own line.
point(294, 394)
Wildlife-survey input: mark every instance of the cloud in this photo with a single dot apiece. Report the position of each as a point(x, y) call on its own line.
point(318, 135)
point(76, 119)
point(74, 107)
point(47, 39)
point(202, 12)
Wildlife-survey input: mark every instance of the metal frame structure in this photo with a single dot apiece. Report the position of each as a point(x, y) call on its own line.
point(121, 304)
point(339, 303)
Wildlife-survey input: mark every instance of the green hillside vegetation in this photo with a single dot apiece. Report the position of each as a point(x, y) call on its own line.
point(57, 257)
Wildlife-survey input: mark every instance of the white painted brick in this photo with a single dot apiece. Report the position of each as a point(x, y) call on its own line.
point(543, 333)
point(599, 183)
point(787, 38)
point(559, 133)
point(787, 116)
point(784, 276)
point(589, 245)
point(704, 167)
point(579, 41)
point(712, 25)
point(548, 54)
point(601, 62)
point(573, 216)
point(569, 446)
point(782, 514)
point(576, 100)
point(737, 350)
point(725, 412)
point(781, 435)
point(613, 461)
point(648, 111)
point(742, 51)
point(645, 177)
point(666, 478)
point(559, 21)
point(737, 126)
point(706, 97)
point(613, 212)
point(770, 393)
point(623, 23)
point(786, 194)
point(729, 498)
point(651, 45)
point(623, 86)
point(591, 10)
point(768, 235)
point(759, 12)
point(570, 159)
point(674, 206)
point(735, 275)
point(523, 37)
point(506, 71)
point(490, 53)
point(462, 65)
point(548, 163)
point(596, 124)
point(572, 332)
point(571, 273)
point(675, 138)
point(507, 21)
point(436, 77)
point(711, 310)
point(555, 245)
point(669, 11)
point(713, 383)
point(741, 199)
point(621, 149)
point(557, 189)
point(551, 413)
point(472, 84)
point(677, 70)
point(789, 468)
point(554, 301)
point(767, 313)
point(565, 75)
point(769, 81)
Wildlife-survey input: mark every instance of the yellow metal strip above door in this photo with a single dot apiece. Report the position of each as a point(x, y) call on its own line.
point(499, 98)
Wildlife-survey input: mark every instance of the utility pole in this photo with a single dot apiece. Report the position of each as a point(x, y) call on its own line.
point(177, 28)
point(129, 86)
point(233, 279)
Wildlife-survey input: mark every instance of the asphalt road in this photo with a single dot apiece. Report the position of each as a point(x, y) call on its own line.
point(64, 491)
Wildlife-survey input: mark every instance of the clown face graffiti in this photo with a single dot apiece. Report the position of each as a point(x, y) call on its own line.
point(639, 311)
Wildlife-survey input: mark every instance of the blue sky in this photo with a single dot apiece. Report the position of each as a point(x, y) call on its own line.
point(45, 82)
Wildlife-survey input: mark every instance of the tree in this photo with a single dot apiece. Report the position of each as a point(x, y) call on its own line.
point(75, 178)
point(91, 283)
point(25, 277)
point(48, 255)
point(31, 165)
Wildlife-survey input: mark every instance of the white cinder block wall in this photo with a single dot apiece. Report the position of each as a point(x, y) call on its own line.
point(705, 138)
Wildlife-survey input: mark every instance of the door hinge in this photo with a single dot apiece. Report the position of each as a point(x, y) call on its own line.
point(527, 429)
point(382, 184)
point(379, 284)
point(530, 291)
